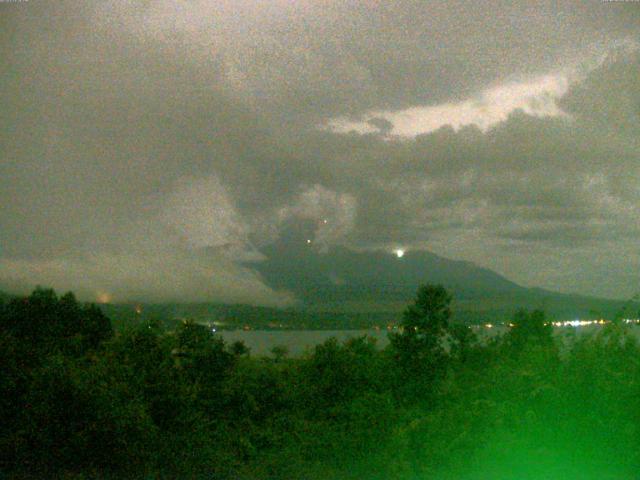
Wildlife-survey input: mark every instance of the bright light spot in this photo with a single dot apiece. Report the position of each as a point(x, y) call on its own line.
point(104, 297)
point(325, 221)
point(399, 253)
point(308, 240)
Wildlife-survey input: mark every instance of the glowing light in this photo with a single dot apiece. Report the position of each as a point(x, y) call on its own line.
point(399, 253)
point(104, 297)
point(308, 240)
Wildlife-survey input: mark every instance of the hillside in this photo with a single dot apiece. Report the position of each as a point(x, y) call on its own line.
point(347, 289)
point(344, 280)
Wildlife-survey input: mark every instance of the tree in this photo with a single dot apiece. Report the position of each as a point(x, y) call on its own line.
point(49, 324)
point(339, 372)
point(279, 352)
point(420, 347)
point(430, 313)
point(530, 328)
point(95, 326)
point(205, 362)
point(239, 348)
point(463, 339)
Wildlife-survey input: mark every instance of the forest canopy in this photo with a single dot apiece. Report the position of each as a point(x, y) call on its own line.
point(78, 400)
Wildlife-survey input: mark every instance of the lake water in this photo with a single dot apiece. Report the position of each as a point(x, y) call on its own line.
point(300, 341)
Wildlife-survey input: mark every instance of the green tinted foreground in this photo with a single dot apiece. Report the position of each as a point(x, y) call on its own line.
point(77, 401)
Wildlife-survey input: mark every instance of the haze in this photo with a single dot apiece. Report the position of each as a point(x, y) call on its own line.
point(150, 150)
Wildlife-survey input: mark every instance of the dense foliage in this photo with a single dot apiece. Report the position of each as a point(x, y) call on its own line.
point(77, 401)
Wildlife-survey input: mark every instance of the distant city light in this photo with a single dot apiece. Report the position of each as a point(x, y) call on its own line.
point(399, 253)
point(565, 323)
point(103, 297)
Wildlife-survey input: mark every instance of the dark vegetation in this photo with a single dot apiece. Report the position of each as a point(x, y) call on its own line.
point(78, 401)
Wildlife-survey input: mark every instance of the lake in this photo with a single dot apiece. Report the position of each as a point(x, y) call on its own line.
point(299, 341)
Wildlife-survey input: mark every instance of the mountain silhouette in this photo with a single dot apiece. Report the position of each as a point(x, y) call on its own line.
point(329, 278)
point(315, 273)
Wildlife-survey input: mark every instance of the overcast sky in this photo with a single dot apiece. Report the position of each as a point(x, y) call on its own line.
point(147, 149)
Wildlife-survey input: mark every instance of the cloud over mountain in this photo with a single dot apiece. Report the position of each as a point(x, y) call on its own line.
point(153, 148)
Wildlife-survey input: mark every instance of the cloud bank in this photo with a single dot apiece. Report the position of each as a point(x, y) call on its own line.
point(148, 150)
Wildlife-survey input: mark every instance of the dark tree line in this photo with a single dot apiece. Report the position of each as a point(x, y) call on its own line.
point(78, 400)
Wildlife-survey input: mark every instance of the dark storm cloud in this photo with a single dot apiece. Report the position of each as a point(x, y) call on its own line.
point(150, 147)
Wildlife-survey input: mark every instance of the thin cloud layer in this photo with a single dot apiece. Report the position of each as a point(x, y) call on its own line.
point(537, 97)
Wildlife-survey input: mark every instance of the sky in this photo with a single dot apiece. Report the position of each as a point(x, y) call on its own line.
point(150, 150)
